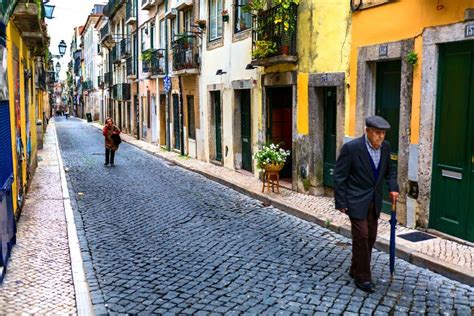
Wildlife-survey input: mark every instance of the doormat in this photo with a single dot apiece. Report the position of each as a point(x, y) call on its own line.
point(416, 236)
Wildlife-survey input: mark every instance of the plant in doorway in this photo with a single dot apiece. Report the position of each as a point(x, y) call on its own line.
point(271, 157)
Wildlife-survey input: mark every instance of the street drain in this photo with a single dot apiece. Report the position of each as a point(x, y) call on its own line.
point(98, 154)
point(416, 236)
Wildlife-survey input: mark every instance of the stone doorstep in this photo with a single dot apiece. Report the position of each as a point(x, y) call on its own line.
point(403, 251)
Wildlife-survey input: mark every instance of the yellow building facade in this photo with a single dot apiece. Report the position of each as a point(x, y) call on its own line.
point(324, 39)
point(28, 98)
point(408, 62)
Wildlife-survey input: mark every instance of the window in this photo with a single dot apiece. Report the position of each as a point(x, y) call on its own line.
point(242, 20)
point(215, 19)
point(162, 34)
point(152, 35)
point(191, 117)
point(187, 17)
point(142, 33)
point(174, 29)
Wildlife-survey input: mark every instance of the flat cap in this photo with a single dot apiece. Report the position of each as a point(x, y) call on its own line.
point(377, 122)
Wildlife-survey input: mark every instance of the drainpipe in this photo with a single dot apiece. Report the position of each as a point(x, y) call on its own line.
point(181, 115)
point(168, 136)
point(138, 74)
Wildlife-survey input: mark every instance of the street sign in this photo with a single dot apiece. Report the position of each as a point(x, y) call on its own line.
point(167, 82)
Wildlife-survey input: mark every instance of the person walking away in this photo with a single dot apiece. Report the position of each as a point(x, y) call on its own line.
point(360, 169)
point(110, 147)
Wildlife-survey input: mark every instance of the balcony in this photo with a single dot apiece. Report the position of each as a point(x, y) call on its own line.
point(130, 12)
point(108, 80)
point(271, 43)
point(183, 4)
point(27, 17)
point(41, 80)
point(131, 67)
point(100, 82)
point(112, 7)
point(147, 4)
point(157, 63)
point(121, 92)
point(105, 34)
point(87, 85)
point(186, 54)
point(115, 55)
point(125, 47)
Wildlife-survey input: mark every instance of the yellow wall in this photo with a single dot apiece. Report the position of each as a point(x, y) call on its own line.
point(324, 39)
point(396, 21)
point(25, 62)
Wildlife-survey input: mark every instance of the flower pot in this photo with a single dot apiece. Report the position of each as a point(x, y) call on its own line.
point(285, 49)
point(273, 167)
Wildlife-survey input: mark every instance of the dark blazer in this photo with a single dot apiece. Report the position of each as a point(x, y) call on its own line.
point(354, 182)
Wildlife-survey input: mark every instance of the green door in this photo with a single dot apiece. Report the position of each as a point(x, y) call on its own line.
point(330, 97)
point(218, 124)
point(245, 131)
point(452, 195)
point(387, 105)
point(177, 138)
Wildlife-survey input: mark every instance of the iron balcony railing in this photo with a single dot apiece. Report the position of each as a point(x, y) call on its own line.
point(87, 85)
point(125, 47)
point(112, 7)
point(185, 52)
point(100, 82)
point(121, 91)
point(104, 32)
point(157, 63)
point(130, 11)
point(115, 54)
point(108, 79)
point(270, 39)
point(131, 66)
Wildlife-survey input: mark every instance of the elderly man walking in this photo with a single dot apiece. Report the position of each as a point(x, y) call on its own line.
point(360, 169)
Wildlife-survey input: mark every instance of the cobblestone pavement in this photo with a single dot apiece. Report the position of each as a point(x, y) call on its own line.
point(160, 239)
point(39, 278)
point(455, 259)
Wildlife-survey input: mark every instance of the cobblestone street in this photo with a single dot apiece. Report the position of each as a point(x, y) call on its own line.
point(156, 238)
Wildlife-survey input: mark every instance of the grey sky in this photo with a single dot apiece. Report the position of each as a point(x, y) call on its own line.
point(67, 15)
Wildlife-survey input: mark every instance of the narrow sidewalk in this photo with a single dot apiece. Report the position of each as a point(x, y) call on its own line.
point(447, 257)
point(44, 271)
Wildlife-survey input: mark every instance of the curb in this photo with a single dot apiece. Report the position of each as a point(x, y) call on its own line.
point(412, 256)
point(81, 287)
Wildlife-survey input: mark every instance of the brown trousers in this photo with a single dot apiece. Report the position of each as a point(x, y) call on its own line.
point(364, 233)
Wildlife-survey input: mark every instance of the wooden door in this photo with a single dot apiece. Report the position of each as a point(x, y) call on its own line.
point(452, 202)
point(329, 158)
point(387, 105)
point(246, 130)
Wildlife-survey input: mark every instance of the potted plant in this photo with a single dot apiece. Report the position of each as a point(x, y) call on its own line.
point(225, 15)
point(264, 49)
point(254, 7)
point(285, 14)
point(147, 55)
point(201, 23)
point(271, 157)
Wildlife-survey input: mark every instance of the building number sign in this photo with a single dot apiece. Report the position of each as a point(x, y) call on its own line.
point(469, 32)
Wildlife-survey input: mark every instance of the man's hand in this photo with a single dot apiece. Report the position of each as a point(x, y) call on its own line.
point(343, 210)
point(393, 197)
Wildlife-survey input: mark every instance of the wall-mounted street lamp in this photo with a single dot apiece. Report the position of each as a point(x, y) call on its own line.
point(62, 48)
point(219, 72)
point(250, 66)
point(48, 11)
point(58, 67)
